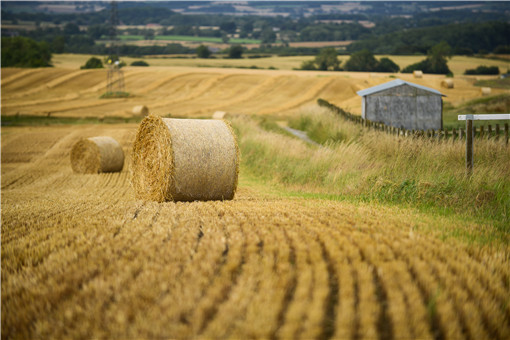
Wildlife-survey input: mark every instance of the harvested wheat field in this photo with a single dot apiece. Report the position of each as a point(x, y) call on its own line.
point(198, 92)
point(82, 258)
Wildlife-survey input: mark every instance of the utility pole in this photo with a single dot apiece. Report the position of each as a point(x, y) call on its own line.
point(114, 76)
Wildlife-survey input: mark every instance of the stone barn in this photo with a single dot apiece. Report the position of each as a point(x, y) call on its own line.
point(400, 104)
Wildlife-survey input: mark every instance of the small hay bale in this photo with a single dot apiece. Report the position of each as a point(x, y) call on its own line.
point(485, 91)
point(97, 154)
point(219, 115)
point(185, 160)
point(447, 83)
point(418, 74)
point(141, 110)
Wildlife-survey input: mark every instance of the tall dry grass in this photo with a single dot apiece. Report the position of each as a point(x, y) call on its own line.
point(374, 166)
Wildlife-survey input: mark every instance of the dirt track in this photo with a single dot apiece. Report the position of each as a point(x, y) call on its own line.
point(82, 259)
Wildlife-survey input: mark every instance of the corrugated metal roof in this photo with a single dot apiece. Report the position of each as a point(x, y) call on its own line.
point(395, 83)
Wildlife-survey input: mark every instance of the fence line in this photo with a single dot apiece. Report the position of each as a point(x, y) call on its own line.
point(498, 133)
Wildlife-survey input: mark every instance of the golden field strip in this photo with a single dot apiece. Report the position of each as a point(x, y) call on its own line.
point(81, 258)
point(190, 91)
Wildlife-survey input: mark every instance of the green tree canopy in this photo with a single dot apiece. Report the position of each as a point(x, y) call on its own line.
point(235, 52)
point(363, 61)
point(203, 51)
point(25, 52)
point(92, 63)
point(327, 59)
point(436, 61)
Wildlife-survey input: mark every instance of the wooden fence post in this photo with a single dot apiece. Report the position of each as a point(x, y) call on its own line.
point(482, 132)
point(454, 134)
point(497, 131)
point(506, 133)
point(469, 146)
point(489, 131)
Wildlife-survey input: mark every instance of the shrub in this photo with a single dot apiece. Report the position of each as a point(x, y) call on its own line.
point(92, 63)
point(235, 52)
point(139, 63)
point(25, 52)
point(203, 52)
point(483, 70)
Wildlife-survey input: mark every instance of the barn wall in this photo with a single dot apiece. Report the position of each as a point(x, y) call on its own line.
point(405, 106)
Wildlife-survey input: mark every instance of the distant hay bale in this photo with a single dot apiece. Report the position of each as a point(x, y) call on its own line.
point(185, 160)
point(97, 154)
point(485, 91)
point(447, 83)
point(418, 74)
point(140, 110)
point(219, 115)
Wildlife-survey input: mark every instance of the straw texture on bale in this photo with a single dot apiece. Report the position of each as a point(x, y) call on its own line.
point(185, 160)
point(485, 91)
point(447, 83)
point(140, 110)
point(97, 154)
point(418, 74)
point(219, 115)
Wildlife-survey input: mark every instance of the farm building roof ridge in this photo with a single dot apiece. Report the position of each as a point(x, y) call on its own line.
point(394, 83)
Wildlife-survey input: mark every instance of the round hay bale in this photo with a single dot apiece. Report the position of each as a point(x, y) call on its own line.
point(447, 83)
point(184, 160)
point(485, 91)
point(418, 74)
point(97, 154)
point(219, 115)
point(140, 110)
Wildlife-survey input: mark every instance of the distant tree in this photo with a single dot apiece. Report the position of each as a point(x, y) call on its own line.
point(228, 26)
point(327, 60)
point(502, 49)
point(58, 44)
point(224, 38)
point(387, 65)
point(363, 61)
point(25, 52)
point(149, 34)
point(235, 52)
point(483, 70)
point(308, 65)
point(71, 28)
point(139, 63)
point(436, 61)
point(92, 63)
point(203, 52)
point(97, 31)
point(268, 36)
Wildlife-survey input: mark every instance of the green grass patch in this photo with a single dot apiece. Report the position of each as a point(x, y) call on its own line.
point(118, 94)
point(373, 167)
point(205, 39)
point(485, 105)
point(495, 83)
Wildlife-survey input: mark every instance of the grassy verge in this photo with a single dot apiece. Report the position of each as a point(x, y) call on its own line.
point(492, 104)
point(368, 166)
point(28, 120)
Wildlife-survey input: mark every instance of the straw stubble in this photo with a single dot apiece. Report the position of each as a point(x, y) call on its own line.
point(97, 154)
point(185, 160)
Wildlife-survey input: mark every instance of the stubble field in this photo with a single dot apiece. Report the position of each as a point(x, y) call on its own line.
point(82, 258)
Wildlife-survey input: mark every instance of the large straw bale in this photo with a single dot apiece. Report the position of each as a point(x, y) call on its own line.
point(418, 74)
point(219, 115)
point(97, 154)
point(185, 160)
point(447, 83)
point(485, 91)
point(140, 110)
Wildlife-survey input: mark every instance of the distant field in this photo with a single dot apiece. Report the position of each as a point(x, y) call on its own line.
point(190, 38)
